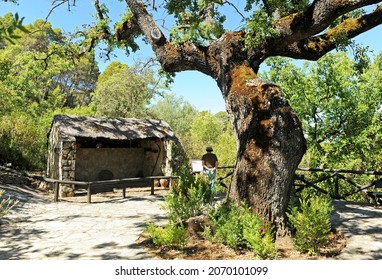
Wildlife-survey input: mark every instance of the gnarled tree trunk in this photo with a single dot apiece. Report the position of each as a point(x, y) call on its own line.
point(270, 145)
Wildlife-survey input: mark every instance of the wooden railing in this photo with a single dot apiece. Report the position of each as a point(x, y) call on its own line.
point(123, 184)
point(331, 176)
point(334, 176)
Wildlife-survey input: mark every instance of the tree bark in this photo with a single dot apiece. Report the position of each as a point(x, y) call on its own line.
point(270, 145)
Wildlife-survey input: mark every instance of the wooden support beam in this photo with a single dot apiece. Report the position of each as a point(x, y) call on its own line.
point(89, 191)
point(56, 191)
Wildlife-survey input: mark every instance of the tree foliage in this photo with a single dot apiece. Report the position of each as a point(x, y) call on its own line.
point(211, 130)
point(197, 129)
point(176, 111)
point(9, 25)
point(42, 67)
point(339, 107)
point(124, 91)
point(39, 76)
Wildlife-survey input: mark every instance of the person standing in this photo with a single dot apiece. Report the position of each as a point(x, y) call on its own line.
point(210, 164)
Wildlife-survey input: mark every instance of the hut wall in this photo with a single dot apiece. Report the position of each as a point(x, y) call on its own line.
point(61, 156)
point(68, 160)
point(94, 164)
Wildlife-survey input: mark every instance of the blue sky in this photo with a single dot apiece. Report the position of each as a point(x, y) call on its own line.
point(200, 90)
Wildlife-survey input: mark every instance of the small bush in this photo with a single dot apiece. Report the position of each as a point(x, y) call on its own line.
point(258, 236)
point(238, 227)
point(22, 141)
point(171, 235)
point(188, 197)
point(6, 204)
point(310, 222)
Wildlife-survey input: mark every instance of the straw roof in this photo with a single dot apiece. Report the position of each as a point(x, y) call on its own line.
point(70, 127)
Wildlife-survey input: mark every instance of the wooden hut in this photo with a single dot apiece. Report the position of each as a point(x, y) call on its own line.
point(97, 149)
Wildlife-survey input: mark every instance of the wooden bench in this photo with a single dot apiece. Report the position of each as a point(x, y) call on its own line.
point(376, 195)
point(99, 187)
point(106, 186)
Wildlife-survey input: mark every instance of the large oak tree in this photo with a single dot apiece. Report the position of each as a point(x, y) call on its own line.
point(270, 140)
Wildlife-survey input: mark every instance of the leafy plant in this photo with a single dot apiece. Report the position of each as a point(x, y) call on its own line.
point(238, 227)
point(171, 235)
point(259, 28)
point(310, 222)
point(188, 197)
point(7, 31)
point(6, 204)
point(228, 227)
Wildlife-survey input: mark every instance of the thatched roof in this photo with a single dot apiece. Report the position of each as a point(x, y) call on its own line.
point(70, 127)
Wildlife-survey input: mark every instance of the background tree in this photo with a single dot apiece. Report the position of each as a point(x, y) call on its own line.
point(10, 25)
point(269, 135)
point(40, 75)
point(197, 129)
point(339, 105)
point(176, 111)
point(124, 91)
point(42, 67)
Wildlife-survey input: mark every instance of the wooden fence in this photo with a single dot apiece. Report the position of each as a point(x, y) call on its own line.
point(333, 177)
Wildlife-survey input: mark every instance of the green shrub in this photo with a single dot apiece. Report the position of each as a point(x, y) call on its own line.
point(229, 227)
point(6, 204)
point(310, 222)
point(188, 197)
point(258, 236)
point(22, 141)
point(238, 227)
point(171, 235)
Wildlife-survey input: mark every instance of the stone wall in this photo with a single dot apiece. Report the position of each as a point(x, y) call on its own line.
point(67, 167)
point(68, 161)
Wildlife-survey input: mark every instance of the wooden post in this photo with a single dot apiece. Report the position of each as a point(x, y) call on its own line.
point(124, 192)
point(89, 193)
point(56, 191)
point(152, 186)
point(336, 187)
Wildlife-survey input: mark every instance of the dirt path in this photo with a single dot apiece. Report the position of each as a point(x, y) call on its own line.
point(73, 229)
point(362, 227)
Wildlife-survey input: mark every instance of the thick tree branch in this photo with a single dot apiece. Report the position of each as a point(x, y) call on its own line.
point(318, 17)
point(147, 25)
point(297, 38)
point(315, 47)
point(176, 57)
point(127, 29)
point(105, 31)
